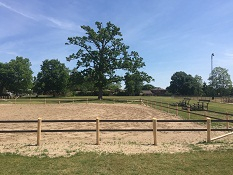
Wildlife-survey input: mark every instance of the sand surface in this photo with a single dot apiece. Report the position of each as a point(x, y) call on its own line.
point(69, 143)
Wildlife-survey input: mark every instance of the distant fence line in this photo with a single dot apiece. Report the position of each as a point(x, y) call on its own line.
point(167, 107)
point(152, 103)
point(45, 100)
point(98, 129)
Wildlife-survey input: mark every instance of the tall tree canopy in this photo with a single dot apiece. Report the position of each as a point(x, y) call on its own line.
point(182, 84)
point(16, 76)
point(101, 53)
point(220, 81)
point(53, 78)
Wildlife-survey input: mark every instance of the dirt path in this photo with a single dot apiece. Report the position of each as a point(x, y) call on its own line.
point(65, 144)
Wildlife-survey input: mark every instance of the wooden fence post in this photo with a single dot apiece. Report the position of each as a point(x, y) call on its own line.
point(176, 109)
point(189, 111)
point(168, 107)
point(97, 131)
point(208, 123)
point(227, 118)
point(39, 131)
point(155, 131)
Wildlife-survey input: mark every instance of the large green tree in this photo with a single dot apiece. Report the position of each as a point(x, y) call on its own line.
point(53, 78)
point(102, 53)
point(220, 81)
point(182, 84)
point(16, 76)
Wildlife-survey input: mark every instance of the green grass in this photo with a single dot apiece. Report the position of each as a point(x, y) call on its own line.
point(202, 162)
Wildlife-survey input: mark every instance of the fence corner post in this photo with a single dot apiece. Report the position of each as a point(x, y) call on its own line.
point(39, 131)
point(97, 131)
point(155, 131)
point(208, 123)
point(177, 109)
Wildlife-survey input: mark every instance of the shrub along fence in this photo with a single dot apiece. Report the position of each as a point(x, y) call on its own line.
point(98, 129)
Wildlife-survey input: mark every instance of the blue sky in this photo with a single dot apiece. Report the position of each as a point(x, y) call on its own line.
point(171, 35)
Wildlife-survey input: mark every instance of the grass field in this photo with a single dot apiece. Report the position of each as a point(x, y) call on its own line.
point(217, 162)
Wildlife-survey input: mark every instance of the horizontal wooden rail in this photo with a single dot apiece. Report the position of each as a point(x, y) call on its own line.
point(109, 121)
point(98, 129)
point(113, 130)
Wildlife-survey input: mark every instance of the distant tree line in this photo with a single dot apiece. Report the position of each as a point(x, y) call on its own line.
point(220, 84)
point(56, 79)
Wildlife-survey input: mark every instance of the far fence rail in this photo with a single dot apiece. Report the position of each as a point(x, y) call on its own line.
point(167, 107)
point(154, 129)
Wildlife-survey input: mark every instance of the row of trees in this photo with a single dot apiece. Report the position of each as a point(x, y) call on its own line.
point(220, 84)
point(55, 78)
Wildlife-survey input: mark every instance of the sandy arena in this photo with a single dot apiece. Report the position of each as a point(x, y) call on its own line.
point(66, 144)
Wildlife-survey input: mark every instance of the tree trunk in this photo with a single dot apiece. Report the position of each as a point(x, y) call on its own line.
point(100, 95)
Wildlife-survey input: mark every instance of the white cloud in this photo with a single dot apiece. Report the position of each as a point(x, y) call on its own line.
point(60, 24)
point(16, 11)
point(54, 22)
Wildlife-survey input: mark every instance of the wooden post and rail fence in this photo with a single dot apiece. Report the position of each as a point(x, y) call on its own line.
point(155, 104)
point(98, 129)
point(167, 107)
